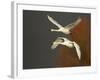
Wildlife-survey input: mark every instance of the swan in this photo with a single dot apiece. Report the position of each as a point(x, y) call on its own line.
point(66, 29)
point(67, 43)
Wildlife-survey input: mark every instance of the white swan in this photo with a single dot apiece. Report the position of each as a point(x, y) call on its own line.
point(66, 29)
point(68, 43)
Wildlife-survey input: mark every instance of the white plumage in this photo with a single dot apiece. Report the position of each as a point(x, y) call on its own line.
point(67, 43)
point(66, 29)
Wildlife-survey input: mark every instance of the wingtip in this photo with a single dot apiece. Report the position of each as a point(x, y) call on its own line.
point(79, 18)
point(79, 57)
point(48, 16)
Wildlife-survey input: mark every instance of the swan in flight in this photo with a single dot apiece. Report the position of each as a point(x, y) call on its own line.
point(66, 29)
point(68, 43)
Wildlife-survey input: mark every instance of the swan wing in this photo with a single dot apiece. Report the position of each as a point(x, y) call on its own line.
point(54, 22)
point(77, 50)
point(73, 24)
point(54, 46)
point(58, 41)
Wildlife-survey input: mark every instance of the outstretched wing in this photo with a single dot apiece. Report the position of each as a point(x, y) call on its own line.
point(54, 22)
point(54, 46)
point(57, 42)
point(77, 50)
point(74, 24)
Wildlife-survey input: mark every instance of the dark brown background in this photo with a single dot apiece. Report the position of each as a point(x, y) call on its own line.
point(80, 34)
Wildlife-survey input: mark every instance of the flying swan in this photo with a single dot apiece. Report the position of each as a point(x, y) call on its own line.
point(66, 29)
point(67, 43)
